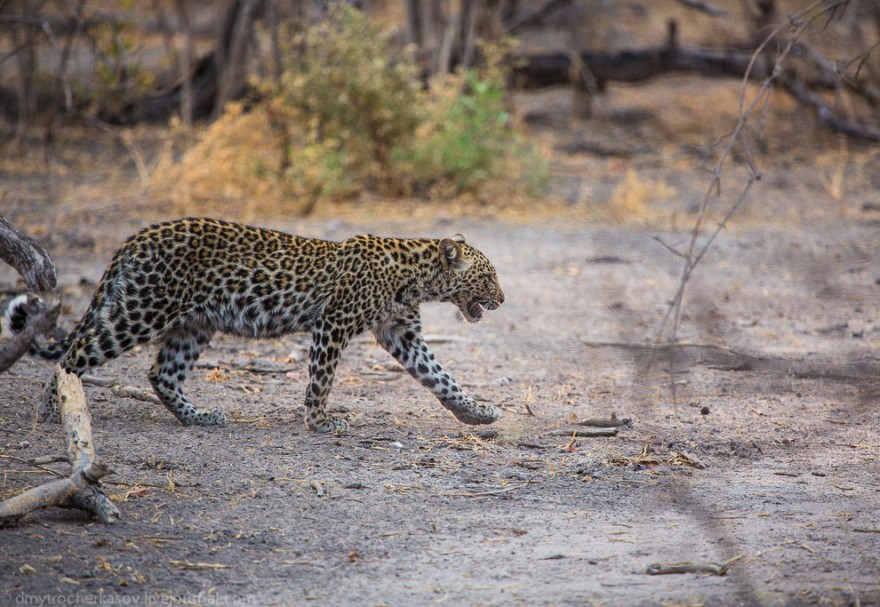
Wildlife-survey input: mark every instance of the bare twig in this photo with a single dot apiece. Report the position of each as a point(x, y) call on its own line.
point(690, 567)
point(120, 390)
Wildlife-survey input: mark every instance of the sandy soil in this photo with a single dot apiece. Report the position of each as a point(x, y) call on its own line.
point(753, 444)
point(773, 460)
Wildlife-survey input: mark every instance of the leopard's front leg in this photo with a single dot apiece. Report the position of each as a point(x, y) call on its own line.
point(402, 338)
point(327, 345)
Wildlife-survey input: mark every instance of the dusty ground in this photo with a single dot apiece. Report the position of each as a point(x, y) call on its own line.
point(758, 441)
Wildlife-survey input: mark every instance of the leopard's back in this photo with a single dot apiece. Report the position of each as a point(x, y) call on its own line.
point(231, 277)
point(218, 275)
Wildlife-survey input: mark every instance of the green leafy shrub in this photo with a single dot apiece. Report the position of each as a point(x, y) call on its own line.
point(343, 105)
point(348, 116)
point(464, 135)
point(466, 139)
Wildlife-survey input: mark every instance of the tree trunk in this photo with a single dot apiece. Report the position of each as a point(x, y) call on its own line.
point(232, 50)
point(186, 64)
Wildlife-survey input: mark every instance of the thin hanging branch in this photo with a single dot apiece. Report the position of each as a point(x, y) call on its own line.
point(695, 251)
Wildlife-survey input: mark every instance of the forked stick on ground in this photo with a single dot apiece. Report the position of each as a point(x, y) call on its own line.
point(82, 489)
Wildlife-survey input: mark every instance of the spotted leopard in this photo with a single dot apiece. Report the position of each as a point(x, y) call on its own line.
point(180, 282)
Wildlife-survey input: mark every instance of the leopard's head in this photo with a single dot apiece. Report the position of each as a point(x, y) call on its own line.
point(472, 283)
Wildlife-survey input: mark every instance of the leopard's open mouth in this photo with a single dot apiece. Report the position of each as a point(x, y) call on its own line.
point(477, 308)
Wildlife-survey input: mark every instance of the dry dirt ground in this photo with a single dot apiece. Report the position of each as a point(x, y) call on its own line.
point(754, 444)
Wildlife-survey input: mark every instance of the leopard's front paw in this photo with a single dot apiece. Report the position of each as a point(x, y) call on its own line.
point(208, 417)
point(330, 424)
point(475, 414)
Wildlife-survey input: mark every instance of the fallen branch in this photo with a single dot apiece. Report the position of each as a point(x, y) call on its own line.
point(597, 433)
point(813, 73)
point(120, 390)
point(601, 422)
point(689, 567)
point(82, 489)
point(487, 493)
point(824, 114)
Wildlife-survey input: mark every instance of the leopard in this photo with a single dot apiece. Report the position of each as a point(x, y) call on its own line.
point(178, 283)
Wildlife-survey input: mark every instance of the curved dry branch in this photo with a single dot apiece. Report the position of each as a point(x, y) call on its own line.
point(27, 257)
point(825, 114)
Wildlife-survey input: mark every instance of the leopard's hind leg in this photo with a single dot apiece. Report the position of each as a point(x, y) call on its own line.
point(179, 351)
point(119, 318)
point(97, 339)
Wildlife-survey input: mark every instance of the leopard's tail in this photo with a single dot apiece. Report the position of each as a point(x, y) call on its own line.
point(15, 319)
point(52, 350)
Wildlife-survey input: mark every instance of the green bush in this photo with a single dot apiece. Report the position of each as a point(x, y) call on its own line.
point(349, 115)
point(467, 132)
point(343, 106)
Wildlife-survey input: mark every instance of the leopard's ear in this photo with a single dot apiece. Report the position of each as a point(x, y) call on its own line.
point(458, 238)
point(451, 253)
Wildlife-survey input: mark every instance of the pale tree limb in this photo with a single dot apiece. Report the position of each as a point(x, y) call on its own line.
point(82, 489)
point(35, 266)
point(120, 390)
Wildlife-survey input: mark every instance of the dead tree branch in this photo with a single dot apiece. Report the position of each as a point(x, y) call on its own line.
point(35, 266)
point(810, 71)
point(28, 258)
point(824, 114)
point(82, 489)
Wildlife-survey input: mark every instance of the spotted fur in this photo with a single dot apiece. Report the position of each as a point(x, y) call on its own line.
point(178, 283)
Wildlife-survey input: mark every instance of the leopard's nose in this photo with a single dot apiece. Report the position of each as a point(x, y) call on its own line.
point(500, 296)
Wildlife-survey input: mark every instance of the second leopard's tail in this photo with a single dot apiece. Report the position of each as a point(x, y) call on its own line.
point(17, 315)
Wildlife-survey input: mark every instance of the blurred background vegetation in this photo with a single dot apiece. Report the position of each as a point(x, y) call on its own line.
point(283, 105)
